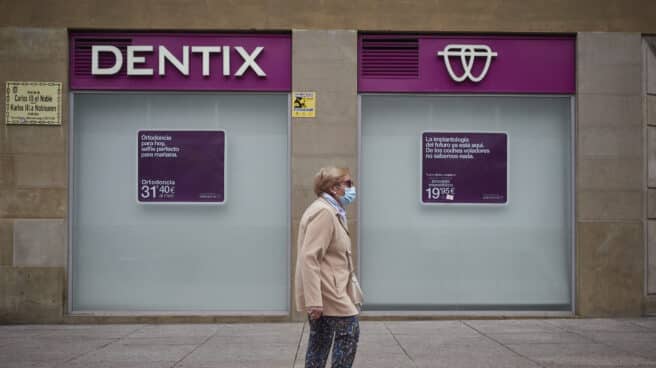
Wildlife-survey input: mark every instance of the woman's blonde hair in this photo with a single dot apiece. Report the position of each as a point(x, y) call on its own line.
point(327, 178)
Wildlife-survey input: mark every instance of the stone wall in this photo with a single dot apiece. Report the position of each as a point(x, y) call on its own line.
point(33, 185)
point(609, 180)
point(611, 135)
point(367, 15)
point(650, 126)
point(325, 62)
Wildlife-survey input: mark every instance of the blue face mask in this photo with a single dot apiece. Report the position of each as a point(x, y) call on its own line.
point(349, 196)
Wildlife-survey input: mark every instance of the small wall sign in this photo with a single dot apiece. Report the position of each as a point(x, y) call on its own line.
point(304, 104)
point(33, 103)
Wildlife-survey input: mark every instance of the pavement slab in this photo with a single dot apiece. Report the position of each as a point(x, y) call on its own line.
point(122, 353)
point(427, 327)
point(511, 326)
point(648, 323)
point(259, 329)
point(375, 344)
point(117, 364)
point(242, 351)
point(372, 328)
point(90, 331)
point(29, 364)
point(596, 325)
point(48, 351)
point(598, 355)
point(165, 340)
point(639, 343)
point(418, 345)
point(157, 331)
point(522, 343)
point(468, 357)
point(557, 337)
point(256, 340)
point(382, 361)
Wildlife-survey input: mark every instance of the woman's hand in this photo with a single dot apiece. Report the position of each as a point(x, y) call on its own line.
point(315, 312)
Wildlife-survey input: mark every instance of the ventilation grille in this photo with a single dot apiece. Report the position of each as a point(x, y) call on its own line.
point(82, 54)
point(389, 57)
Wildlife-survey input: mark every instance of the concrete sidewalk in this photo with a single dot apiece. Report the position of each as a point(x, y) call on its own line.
point(452, 344)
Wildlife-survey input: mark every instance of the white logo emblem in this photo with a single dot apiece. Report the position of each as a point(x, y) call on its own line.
point(467, 54)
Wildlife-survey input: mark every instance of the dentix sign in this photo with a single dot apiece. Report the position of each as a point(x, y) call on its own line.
point(180, 61)
point(136, 57)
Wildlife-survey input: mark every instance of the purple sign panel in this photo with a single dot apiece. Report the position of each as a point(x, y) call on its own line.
point(467, 64)
point(464, 168)
point(181, 166)
point(180, 61)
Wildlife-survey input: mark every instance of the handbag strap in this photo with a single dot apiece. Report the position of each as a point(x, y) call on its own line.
point(350, 264)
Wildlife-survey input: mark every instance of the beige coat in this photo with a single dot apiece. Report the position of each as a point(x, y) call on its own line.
point(322, 264)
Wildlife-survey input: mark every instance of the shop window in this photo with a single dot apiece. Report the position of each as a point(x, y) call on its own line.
point(505, 256)
point(130, 256)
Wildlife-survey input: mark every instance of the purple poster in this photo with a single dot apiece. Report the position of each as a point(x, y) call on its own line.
point(464, 168)
point(181, 166)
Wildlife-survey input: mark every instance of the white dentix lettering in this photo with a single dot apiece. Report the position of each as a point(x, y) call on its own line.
point(226, 61)
point(139, 56)
point(165, 55)
point(249, 61)
point(134, 59)
point(206, 51)
point(95, 64)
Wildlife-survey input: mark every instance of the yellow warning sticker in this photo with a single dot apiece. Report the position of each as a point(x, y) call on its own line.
point(304, 104)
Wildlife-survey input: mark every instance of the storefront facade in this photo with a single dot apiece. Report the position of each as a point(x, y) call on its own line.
point(498, 174)
point(192, 202)
point(481, 166)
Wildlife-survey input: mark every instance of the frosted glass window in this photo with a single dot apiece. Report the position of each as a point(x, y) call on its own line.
point(135, 257)
point(516, 256)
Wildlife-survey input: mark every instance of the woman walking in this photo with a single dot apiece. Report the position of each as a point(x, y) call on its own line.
point(326, 287)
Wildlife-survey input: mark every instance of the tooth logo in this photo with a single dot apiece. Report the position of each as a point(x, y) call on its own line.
point(467, 54)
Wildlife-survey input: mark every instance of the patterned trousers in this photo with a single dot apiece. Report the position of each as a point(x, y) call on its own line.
point(346, 332)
